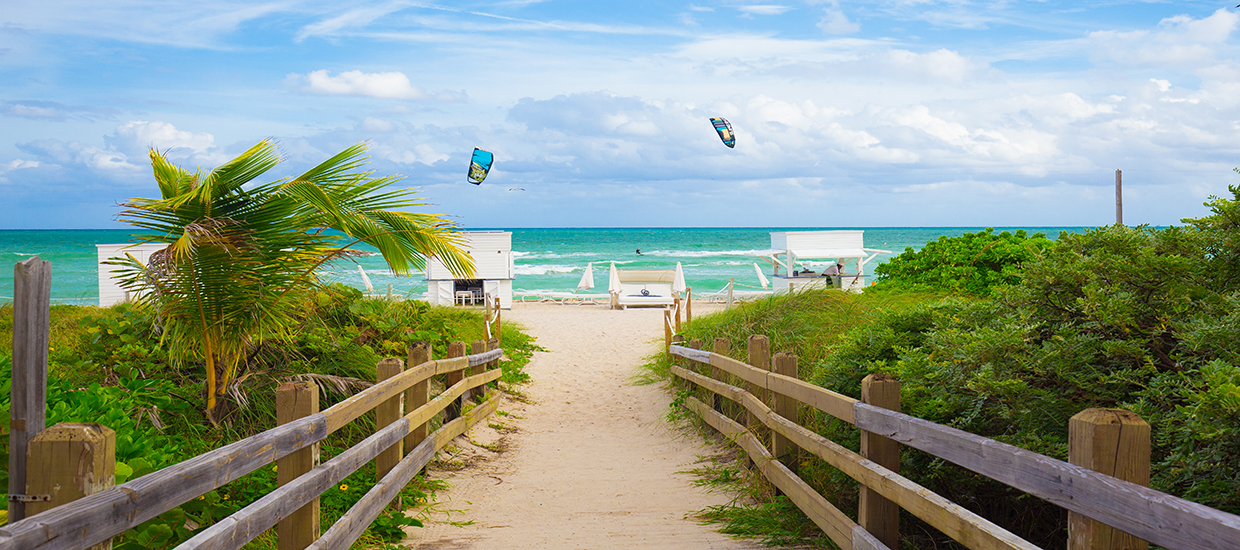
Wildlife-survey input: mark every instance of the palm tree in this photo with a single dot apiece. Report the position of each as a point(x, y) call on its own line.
point(238, 260)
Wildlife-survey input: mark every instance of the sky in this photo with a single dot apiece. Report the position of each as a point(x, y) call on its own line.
point(847, 114)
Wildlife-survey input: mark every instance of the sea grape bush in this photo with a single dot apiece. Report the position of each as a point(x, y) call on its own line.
point(971, 263)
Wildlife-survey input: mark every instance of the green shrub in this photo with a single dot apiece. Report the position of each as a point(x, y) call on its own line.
point(972, 263)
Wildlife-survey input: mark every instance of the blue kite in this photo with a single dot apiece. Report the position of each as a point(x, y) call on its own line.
point(480, 166)
point(725, 131)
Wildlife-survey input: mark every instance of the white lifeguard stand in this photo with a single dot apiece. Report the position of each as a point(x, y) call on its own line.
point(843, 246)
point(110, 292)
point(494, 271)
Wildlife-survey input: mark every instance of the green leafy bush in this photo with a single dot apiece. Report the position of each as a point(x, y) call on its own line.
point(973, 263)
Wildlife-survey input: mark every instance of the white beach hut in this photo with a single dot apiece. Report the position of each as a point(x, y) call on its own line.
point(494, 271)
point(110, 292)
point(846, 247)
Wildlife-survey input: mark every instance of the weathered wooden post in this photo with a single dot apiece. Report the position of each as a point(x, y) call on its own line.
point(499, 325)
point(1119, 197)
point(667, 329)
point(476, 347)
point(731, 282)
point(296, 400)
point(67, 462)
point(32, 291)
point(677, 306)
point(1117, 443)
point(456, 348)
point(696, 343)
point(722, 347)
point(386, 413)
point(418, 394)
point(877, 514)
point(781, 448)
point(493, 364)
point(688, 304)
point(759, 357)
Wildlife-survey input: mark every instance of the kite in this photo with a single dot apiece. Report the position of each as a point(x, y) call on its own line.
point(725, 131)
point(480, 165)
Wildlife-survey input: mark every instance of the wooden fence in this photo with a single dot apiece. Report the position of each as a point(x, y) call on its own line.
point(73, 462)
point(770, 399)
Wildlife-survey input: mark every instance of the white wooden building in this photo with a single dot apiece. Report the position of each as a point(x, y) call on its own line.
point(494, 271)
point(110, 292)
point(790, 248)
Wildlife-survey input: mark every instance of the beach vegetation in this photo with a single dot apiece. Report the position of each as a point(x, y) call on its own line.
point(109, 365)
point(972, 263)
point(1138, 318)
point(241, 256)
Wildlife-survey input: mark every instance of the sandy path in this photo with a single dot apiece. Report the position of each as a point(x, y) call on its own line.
point(591, 463)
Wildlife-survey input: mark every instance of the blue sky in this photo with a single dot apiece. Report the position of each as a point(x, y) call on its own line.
point(883, 113)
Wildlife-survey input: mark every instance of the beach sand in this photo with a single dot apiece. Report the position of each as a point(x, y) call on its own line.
point(589, 460)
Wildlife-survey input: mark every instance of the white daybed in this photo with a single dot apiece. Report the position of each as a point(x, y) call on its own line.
point(643, 288)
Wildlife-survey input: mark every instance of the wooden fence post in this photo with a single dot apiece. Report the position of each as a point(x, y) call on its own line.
point(781, 448)
point(1117, 443)
point(876, 514)
point(476, 347)
point(677, 306)
point(492, 364)
point(69, 461)
point(386, 413)
point(688, 304)
point(456, 348)
point(418, 394)
point(695, 343)
point(759, 357)
point(722, 347)
point(499, 325)
point(667, 329)
point(32, 291)
point(296, 400)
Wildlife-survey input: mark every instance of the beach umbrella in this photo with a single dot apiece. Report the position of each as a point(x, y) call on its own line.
point(678, 283)
point(613, 280)
point(365, 279)
point(587, 278)
point(761, 278)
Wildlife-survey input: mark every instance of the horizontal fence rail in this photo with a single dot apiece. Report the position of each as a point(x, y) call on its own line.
point(99, 517)
point(1157, 517)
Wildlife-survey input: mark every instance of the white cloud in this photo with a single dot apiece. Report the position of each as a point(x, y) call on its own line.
point(1177, 42)
point(764, 9)
point(835, 22)
point(939, 64)
point(20, 164)
point(140, 135)
point(389, 85)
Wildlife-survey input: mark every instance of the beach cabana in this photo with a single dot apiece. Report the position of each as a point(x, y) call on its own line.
point(493, 272)
point(110, 292)
point(641, 287)
point(790, 249)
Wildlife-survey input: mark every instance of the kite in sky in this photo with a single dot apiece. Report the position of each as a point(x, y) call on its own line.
point(725, 131)
point(480, 165)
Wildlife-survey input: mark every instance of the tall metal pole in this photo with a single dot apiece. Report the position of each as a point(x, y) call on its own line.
point(1119, 198)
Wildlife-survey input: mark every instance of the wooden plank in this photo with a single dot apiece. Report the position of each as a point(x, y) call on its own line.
point(450, 396)
point(417, 394)
point(351, 526)
point(875, 514)
point(834, 404)
point(358, 404)
point(385, 413)
point(960, 524)
point(476, 347)
point(1159, 518)
point(484, 357)
point(32, 291)
point(68, 462)
point(1115, 442)
point(296, 400)
point(834, 523)
point(719, 352)
point(236, 530)
point(103, 515)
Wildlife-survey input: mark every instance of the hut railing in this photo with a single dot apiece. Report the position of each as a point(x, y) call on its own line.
point(1153, 516)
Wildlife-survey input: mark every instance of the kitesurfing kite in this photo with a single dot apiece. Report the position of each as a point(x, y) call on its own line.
point(725, 131)
point(480, 165)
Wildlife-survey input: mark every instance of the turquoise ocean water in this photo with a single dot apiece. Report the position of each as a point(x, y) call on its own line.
point(546, 259)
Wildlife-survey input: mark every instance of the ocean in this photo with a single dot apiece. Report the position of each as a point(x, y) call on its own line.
point(546, 259)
